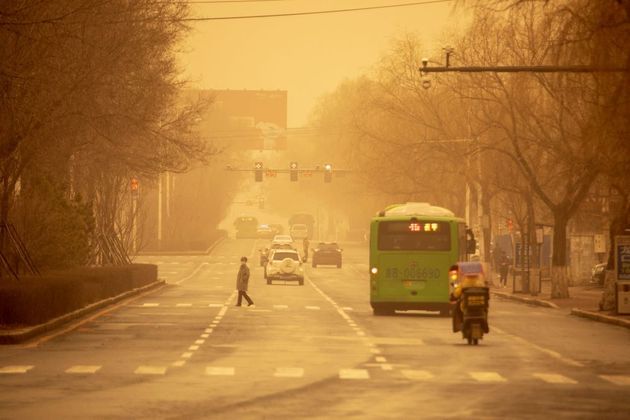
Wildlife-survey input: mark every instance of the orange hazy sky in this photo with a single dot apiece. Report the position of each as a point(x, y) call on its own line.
point(306, 55)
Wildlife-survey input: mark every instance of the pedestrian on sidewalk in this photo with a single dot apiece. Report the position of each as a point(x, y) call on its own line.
point(242, 281)
point(504, 268)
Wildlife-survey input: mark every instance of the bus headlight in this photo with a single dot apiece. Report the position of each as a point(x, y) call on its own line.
point(374, 270)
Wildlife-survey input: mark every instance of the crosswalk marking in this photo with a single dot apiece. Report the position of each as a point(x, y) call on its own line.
point(215, 305)
point(83, 369)
point(417, 375)
point(347, 308)
point(16, 369)
point(288, 372)
point(380, 359)
point(554, 378)
point(219, 371)
point(487, 377)
point(354, 374)
point(179, 363)
point(184, 305)
point(280, 307)
point(617, 379)
point(187, 355)
point(150, 370)
point(150, 305)
point(314, 308)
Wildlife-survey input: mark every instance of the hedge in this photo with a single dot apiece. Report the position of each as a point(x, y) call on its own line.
point(34, 300)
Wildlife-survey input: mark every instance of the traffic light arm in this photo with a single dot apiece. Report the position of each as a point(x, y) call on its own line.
point(518, 69)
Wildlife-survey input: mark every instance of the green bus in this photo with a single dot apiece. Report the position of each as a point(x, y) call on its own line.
point(412, 247)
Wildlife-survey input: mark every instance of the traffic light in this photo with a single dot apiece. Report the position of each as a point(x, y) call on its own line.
point(327, 172)
point(258, 171)
point(293, 171)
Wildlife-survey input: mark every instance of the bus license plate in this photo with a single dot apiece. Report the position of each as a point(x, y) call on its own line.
point(407, 283)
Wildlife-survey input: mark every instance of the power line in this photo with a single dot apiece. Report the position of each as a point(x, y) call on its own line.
point(316, 12)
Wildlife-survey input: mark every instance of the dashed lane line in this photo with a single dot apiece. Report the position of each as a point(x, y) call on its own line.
point(83, 369)
point(620, 380)
point(220, 371)
point(150, 370)
point(15, 369)
point(194, 273)
point(354, 374)
point(289, 372)
point(554, 378)
point(487, 377)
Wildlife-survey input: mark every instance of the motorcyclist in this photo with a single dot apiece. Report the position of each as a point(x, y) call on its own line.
point(465, 275)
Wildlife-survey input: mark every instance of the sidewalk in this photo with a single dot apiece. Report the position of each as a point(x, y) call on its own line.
point(583, 301)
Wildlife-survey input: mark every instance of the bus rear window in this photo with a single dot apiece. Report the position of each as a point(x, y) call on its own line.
point(414, 235)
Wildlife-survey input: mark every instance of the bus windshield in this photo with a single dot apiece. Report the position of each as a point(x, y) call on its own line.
point(414, 235)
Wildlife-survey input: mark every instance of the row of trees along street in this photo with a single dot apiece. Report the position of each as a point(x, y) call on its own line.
point(532, 147)
point(88, 100)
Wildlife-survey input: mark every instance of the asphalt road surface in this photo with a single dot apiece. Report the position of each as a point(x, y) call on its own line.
point(313, 351)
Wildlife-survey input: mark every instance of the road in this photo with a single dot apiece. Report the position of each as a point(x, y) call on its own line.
point(313, 351)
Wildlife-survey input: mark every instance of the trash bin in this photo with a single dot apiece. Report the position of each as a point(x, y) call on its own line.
point(623, 297)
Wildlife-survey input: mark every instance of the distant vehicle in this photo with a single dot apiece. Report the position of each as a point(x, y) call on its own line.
point(264, 231)
point(299, 231)
point(284, 264)
point(303, 218)
point(246, 227)
point(282, 239)
point(277, 229)
point(598, 273)
point(327, 254)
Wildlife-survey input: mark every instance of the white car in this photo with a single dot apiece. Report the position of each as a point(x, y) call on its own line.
point(299, 231)
point(284, 264)
point(282, 239)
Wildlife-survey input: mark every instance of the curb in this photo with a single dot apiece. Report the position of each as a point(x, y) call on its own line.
point(529, 301)
point(595, 316)
point(24, 334)
point(176, 253)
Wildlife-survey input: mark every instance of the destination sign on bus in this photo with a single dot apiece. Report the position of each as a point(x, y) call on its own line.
point(423, 227)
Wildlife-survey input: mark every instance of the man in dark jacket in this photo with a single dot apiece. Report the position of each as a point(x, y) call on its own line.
point(242, 280)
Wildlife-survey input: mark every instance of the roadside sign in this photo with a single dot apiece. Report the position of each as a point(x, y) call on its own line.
point(622, 257)
point(599, 244)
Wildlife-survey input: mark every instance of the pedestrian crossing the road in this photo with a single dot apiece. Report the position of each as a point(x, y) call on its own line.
point(371, 373)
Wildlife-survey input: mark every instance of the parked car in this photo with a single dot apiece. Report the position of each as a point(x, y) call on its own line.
point(327, 253)
point(299, 231)
point(284, 264)
point(598, 273)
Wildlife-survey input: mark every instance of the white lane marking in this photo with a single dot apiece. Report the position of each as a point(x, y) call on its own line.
point(617, 379)
point(375, 351)
point(554, 378)
point(417, 375)
point(215, 305)
point(208, 330)
point(352, 324)
point(15, 369)
point(194, 273)
point(179, 363)
point(487, 377)
point(354, 374)
point(314, 308)
point(347, 308)
point(280, 307)
point(214, 323)
point(360, 333)
point(288, 372)
point(200, 341)
point(380, 359)
point(386, 366)
point(183, 305)
point(551, 353)
point(186, 355)
point(83, 369)
point(222, 311)
point(205, 335)
point(150, 305)
point(193, 348)
point(150, 370)
point(219, 371)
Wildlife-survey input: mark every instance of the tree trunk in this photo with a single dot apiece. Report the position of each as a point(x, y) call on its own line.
point(559, 269)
